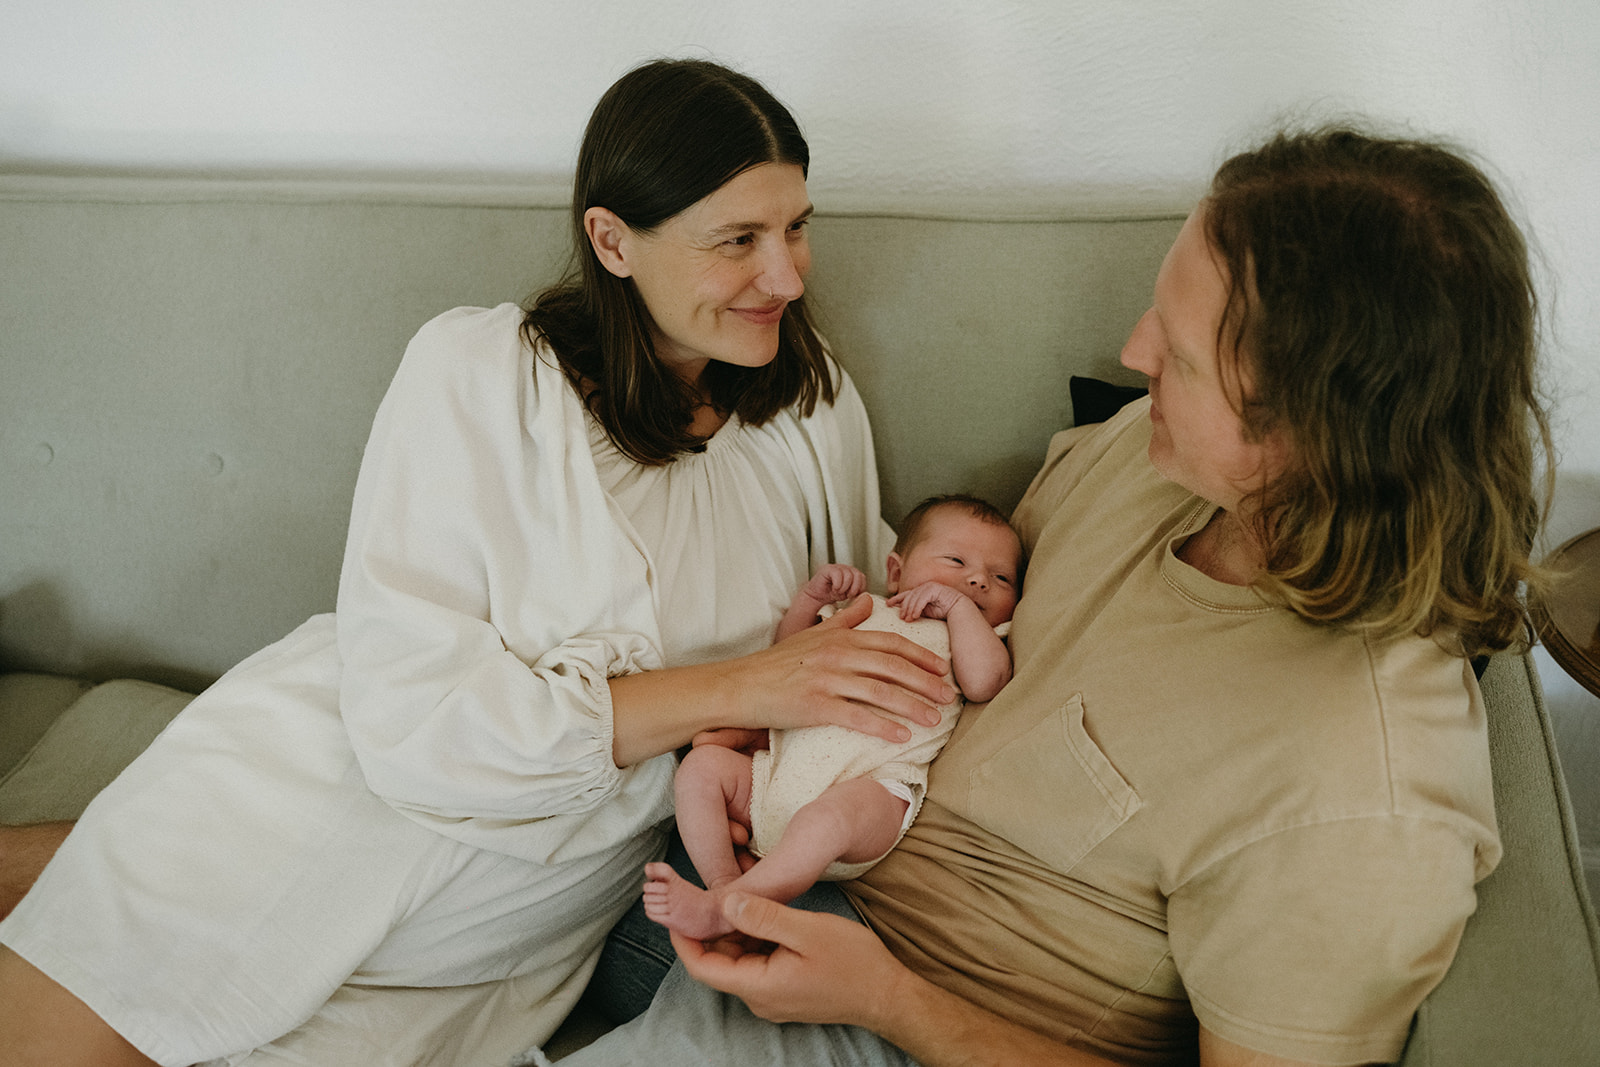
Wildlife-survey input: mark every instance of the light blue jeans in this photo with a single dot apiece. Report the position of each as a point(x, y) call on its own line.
point(686, 1024)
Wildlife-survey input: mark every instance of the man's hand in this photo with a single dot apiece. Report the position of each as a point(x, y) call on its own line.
point(801, 966)
point(804, 966)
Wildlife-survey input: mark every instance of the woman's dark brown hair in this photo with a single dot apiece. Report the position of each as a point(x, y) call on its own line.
point(666, 135)
point(1381, 310)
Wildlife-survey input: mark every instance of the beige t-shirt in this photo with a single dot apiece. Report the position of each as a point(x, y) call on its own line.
point(1188, 804)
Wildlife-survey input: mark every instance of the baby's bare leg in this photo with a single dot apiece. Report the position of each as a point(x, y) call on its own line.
point(711, 791)
point(853, 821)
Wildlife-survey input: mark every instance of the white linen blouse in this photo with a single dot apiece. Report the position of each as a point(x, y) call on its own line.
point(505, 559)
point(418, 790)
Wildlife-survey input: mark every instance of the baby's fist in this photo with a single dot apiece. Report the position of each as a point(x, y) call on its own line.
point(836, 581)
point(930, 600)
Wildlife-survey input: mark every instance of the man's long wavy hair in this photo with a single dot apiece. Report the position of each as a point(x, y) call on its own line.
point(1382, 310)
point(666, 135)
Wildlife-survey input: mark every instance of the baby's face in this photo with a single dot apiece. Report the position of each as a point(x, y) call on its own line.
point(967, 554)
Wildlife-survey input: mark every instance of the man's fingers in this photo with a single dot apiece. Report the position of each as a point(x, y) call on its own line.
point(764, 919)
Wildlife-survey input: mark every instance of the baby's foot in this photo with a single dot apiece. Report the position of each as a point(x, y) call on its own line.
point(680, 905)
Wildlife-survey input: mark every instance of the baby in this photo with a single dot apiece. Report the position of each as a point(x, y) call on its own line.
point(827, 802)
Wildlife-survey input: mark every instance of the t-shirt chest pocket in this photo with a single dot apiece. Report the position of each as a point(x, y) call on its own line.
point(1051, 791)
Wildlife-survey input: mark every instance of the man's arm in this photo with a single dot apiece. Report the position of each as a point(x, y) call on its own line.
point(827, 969)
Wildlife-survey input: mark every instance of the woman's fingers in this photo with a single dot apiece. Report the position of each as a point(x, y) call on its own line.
point(834, 673)
point(886, 672)
point(734, 737)
point(855, 613)
point(852, 614)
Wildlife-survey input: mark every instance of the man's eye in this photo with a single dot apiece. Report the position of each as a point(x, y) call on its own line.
point(742, 240)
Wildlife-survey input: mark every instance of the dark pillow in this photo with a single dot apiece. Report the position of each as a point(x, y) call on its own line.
point(1096, 401)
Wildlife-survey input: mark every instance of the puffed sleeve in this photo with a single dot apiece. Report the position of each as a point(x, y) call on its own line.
point(488, 592)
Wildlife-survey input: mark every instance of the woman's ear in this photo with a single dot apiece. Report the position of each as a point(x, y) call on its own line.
point(893, 566)
point(608, 236)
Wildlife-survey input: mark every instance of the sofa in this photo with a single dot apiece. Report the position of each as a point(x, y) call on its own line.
point(191, 365)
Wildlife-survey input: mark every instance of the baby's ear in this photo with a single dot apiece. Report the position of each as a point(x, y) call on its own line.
point(894, 573)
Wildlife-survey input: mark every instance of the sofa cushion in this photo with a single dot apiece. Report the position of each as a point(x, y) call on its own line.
point(29, 703)
point(85, 748)
point(1096, 401)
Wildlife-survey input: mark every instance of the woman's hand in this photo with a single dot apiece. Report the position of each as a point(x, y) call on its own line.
point(737, 738)
point(835, 674)
point(829, 674)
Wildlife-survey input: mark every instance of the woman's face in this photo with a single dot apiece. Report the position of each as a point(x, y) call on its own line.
point(717, 276)
point(1197, 439)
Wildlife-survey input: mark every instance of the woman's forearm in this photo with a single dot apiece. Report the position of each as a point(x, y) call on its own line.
point(828, 674)
point(661, 711)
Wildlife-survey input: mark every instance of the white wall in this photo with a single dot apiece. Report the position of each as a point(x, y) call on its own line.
point(1024, 102)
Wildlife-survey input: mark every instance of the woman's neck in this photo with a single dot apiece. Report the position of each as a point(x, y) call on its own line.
point(707, 421)
point(1225, 549)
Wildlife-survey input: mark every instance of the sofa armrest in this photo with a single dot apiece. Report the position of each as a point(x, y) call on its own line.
point(1525, 984)
point(83, 746)
point(29, 704)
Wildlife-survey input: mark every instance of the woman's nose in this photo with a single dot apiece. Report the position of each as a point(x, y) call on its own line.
point(781, 277)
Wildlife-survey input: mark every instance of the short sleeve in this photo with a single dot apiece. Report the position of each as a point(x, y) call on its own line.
point(1319, 942)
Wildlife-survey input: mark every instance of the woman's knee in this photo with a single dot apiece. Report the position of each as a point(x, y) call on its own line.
point(24, 852)
point(42, 1023)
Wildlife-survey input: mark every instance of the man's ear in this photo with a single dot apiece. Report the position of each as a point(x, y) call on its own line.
point(894, 566)
point(609, 237)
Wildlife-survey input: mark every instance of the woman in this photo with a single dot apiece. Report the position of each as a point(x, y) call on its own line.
point(1233, 805)
point(573, 532)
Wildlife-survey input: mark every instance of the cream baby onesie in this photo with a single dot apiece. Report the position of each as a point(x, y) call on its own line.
point(802, 763)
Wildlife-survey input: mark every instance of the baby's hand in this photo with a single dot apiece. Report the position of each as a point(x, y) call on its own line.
point(836, 581)
point(929, 600)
